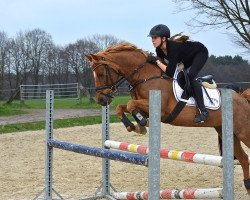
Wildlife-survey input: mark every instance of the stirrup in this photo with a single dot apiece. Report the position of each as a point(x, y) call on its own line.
point(201, 117)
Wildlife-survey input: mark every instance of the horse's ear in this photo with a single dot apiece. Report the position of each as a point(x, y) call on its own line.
point(89, 57)
point(92, 57)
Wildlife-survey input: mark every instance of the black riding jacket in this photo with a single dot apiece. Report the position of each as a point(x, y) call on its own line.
point(180, 52)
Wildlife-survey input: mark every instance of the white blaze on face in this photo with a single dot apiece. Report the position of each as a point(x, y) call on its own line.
point(94, 75)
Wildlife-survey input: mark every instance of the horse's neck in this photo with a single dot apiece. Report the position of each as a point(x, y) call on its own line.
point(129, 61)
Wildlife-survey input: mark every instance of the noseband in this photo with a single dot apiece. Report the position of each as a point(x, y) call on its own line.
point(114, 85)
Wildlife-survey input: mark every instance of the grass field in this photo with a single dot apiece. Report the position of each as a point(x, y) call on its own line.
point(58, 123)
point(16, 108)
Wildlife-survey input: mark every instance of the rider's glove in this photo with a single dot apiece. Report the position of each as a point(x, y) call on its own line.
point(152, 59)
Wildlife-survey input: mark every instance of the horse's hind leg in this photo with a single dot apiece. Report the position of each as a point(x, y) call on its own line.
point(242, 157)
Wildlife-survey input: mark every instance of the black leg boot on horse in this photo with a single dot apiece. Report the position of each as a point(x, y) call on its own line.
point(198, 96)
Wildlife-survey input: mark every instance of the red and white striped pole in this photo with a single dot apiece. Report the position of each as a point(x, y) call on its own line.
point(208, 193)
point(186, 156)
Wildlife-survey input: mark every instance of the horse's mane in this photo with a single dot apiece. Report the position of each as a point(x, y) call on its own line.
point(126, 46)
point(123, 46)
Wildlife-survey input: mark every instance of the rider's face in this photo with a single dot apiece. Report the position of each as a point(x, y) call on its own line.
point(156, 40)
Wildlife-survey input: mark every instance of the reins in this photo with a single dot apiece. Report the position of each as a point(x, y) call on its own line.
point(114, 85)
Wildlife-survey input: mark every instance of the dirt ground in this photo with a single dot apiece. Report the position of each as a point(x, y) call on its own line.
point(39, 115)
point(77, 176)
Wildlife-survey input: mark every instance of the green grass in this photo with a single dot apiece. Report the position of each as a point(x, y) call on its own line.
point(8, 111)
point(58, 123)
point(15, 107)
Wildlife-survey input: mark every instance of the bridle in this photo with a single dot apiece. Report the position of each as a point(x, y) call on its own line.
point(115, 84)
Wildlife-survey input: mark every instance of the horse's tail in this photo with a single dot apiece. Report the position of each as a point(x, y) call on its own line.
point(235, 87)
point(244, 93)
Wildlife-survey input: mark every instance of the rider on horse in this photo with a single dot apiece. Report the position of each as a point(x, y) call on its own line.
point(192, 54)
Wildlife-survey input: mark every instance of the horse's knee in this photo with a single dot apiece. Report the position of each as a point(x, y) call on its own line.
point(243, 137)
point(119, 110)
point(130, 106)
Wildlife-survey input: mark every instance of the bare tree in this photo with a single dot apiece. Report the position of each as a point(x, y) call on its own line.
point(29, 53)
point(20, 66)
point(4, 40)
point(80, 66)
point(57, 69)
point(39, 43)
point(32, 57)
point(17, 68)
point(104, 41)
point(232, 15)
point(76, 59)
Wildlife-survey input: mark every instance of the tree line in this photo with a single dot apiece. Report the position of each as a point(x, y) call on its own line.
point(228, 69)
point(31, 57)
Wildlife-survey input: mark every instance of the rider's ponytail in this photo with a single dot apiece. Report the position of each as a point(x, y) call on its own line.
point(179, 38)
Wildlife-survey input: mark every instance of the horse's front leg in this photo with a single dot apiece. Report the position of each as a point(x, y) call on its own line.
point(120, 111)
point(139, 109)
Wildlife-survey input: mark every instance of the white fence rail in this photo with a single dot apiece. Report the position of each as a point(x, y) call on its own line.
point(72, 90)
point(61, 91)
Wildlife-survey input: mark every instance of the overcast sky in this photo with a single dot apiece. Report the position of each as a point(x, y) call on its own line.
point(69, 20)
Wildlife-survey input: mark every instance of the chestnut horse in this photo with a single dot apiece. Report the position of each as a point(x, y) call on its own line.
point(246, 94)
point(125, 61)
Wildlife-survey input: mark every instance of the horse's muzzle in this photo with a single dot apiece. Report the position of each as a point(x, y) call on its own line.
point(104, 99)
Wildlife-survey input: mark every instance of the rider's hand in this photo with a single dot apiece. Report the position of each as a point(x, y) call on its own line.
point(152, 59)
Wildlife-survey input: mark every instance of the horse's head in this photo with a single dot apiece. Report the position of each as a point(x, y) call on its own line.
point(105, 77)
point(123, 59)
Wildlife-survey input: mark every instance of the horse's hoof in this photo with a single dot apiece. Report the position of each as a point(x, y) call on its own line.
point(247, 184)
point(129, 129)
point(140, 129)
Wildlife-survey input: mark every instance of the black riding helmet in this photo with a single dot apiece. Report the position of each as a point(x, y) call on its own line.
point(160, 30)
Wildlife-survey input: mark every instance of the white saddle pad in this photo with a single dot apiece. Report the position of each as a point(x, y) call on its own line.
point(213, 93)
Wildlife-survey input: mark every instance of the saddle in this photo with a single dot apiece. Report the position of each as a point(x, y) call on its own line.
point(184, 82)
point(184, 95)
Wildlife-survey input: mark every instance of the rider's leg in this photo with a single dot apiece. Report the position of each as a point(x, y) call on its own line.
point(203, 113)
point(198, 62)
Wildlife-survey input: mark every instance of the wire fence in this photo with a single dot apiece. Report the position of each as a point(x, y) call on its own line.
point(61, 91)
point(75, 91)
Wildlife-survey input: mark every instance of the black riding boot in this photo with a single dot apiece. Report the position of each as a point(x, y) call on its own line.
point(198, 96)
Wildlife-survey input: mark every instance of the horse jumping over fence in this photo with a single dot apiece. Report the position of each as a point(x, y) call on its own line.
point(126, 62)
